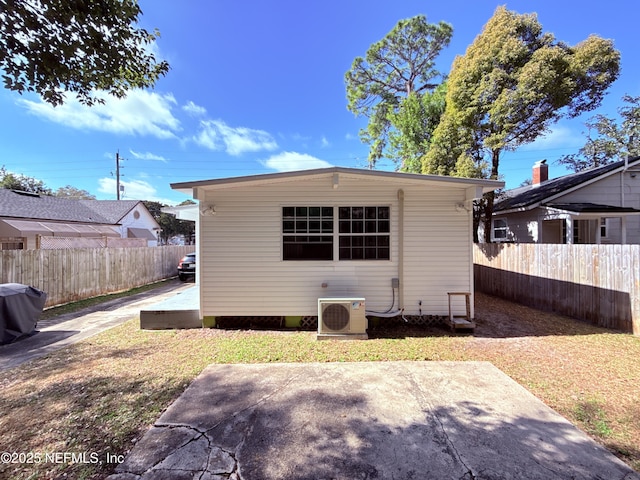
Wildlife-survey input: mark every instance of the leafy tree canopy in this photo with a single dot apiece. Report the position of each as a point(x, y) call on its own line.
point(399, 66)
point(414, 121)
point(169, 224)
point(21, 182)
point(513, 82)
point(73, 193)
point(55, 46)
point(608, 141)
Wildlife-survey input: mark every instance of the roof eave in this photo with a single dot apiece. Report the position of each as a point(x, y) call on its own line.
point(188, 187)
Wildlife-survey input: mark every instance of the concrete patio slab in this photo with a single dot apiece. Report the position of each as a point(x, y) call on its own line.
point(384, 420)
point(178, 311)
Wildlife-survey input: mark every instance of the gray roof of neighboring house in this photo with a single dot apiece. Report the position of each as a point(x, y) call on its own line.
point(586, 207)
point(44, 207)
point(532, 195)
point(113, 210)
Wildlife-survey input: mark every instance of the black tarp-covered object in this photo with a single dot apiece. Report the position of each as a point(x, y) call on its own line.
point(20, 308)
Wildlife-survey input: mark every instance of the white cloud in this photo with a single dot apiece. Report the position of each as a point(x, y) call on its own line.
point(350, 136)
point(139, 113)
point(133, 190)
point(558, 137)
point(147, 156)
point(289, 161)
point(194, 110)
point(324, 142)
point(217, 135)
point(298, 137)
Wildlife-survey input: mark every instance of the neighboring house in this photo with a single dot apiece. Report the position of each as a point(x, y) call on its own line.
point(600, 205)
point(272, 244)
point(28, 218)
point(132, 216)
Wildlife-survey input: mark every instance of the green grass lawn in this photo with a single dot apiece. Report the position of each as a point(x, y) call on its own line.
point(100, 395)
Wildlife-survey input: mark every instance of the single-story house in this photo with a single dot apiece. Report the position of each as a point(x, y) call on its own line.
point(598, 206)
point(29, 220)
point(132, 217)
point(274, 244)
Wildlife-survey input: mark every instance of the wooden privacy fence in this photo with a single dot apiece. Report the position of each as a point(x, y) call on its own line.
point(596, 283)
point(69, 275)
point(46, 242)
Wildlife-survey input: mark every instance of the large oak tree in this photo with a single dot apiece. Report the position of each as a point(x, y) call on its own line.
point(82, 46)
point(511, 85)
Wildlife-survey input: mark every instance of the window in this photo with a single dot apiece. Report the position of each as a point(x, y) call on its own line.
point(12, 243)
point(364, 233)
point(307, 233)
point(500, 229)
point(603, 227)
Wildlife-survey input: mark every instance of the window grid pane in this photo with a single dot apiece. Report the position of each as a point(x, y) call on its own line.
point(297, 225)
point(363, 233)
point(360, 229)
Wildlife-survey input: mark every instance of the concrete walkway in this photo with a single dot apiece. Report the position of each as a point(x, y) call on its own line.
point(63, 330)
point(384, 420)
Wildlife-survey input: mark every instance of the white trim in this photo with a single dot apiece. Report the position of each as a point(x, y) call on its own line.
point(493, 229)
point(333, 175)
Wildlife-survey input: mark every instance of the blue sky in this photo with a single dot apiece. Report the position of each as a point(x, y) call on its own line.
point(258, 87)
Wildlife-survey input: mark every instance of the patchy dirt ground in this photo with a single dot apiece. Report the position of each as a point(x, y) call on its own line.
point(103, 393)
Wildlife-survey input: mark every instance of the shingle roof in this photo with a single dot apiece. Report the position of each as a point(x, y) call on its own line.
point(531, 195)
point(43, 207)
point(113, 210)
point(591, 208)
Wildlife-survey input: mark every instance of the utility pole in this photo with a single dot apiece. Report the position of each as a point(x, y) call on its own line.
point(118, 187)
point(118, 175)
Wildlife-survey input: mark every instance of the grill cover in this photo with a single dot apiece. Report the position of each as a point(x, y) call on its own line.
point(20, 308)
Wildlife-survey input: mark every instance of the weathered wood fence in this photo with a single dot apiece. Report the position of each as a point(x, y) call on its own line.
point(596, 283)
point(68, 275)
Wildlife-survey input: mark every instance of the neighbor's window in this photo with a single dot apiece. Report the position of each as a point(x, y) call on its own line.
point(307, 233)
point(364, 233)
point(499, 229)
point(603, 227)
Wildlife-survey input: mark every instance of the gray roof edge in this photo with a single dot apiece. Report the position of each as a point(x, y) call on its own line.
point(95, 205)
point(625, 164)
point(329, 170)
point(536, 202)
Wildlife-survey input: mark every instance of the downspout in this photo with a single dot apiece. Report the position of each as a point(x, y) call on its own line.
point(623, 219)
point(626, 166)
point(401, 248)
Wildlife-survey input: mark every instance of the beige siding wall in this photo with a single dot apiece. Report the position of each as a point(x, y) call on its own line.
point(241, 266)
point(437, 250)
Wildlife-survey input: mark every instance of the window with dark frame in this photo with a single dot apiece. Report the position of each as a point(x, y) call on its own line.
point(307, 233)
point(603, 227)
point(364, 233)
point(499, 229)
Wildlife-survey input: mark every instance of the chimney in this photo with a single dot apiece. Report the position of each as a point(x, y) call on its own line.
point(540, 172)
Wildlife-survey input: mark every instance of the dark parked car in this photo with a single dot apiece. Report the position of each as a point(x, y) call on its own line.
point(187, 267)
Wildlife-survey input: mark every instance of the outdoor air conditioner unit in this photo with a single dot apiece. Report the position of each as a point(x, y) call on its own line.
point(342, 318)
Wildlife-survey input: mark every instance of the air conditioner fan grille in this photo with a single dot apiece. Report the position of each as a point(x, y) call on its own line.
point(335, 317)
